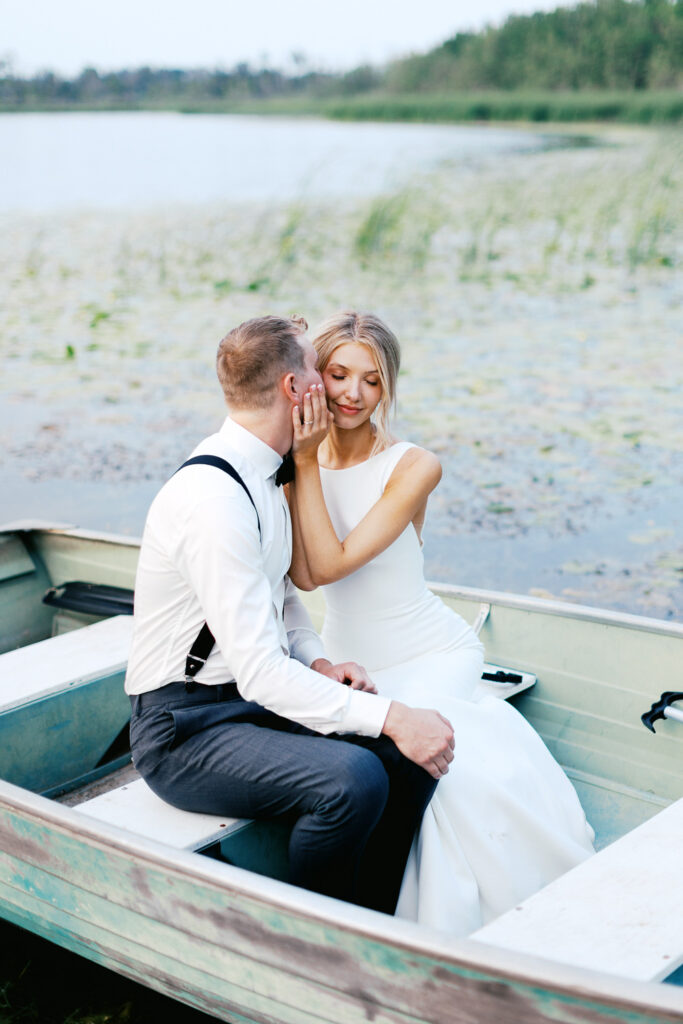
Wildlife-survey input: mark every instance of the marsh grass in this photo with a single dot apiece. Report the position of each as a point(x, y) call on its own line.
point(635, 107)
point(541, 107)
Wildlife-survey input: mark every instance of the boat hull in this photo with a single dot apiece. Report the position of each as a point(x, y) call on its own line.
point(245, 948)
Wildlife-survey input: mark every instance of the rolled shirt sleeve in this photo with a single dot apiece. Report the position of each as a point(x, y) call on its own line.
point(221, 559)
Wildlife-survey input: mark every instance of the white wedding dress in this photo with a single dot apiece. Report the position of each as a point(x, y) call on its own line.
point(505, 821)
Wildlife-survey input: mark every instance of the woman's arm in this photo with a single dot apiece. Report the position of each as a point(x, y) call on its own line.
point(329, 559)
point(299, 571)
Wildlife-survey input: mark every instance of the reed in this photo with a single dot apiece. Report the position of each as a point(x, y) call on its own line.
point(539, 107)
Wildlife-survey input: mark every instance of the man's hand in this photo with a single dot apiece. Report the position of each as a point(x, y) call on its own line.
point(347, 672)
point(425, 737)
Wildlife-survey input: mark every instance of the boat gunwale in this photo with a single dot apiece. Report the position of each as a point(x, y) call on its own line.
point(561, 609)
point(518, 968)
point(498, 598)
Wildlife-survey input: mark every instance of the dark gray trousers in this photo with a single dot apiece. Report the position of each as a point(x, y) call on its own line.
point(356, 801)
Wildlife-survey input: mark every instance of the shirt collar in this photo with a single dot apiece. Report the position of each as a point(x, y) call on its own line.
point(264, 458)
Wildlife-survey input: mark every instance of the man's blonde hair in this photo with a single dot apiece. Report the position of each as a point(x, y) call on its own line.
point(368, 330)
point(253, 357)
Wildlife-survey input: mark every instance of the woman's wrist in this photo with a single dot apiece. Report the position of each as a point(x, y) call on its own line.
point(306, 458)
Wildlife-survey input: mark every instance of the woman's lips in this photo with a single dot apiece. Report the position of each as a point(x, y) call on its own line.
point(348, 410)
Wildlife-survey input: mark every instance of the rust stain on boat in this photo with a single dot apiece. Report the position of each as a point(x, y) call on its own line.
point(23, 848)
point(367, 1002)
point(138, 877)
point(280, 944)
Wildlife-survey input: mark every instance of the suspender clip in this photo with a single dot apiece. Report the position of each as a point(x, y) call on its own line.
point(193, 664)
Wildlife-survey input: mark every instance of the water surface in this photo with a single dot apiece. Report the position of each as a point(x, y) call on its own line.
point(53, 161)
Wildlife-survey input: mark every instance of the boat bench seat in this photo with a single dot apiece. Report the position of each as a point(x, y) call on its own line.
point(61, 662)
point(620, 911)
point(136, 808)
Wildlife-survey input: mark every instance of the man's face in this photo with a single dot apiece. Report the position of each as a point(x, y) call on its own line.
point(310, 375)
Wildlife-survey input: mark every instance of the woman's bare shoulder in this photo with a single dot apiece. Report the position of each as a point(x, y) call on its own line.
point(420, 464)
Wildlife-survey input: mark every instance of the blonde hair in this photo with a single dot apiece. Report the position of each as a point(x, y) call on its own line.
point(366, 329)
point(253, 356)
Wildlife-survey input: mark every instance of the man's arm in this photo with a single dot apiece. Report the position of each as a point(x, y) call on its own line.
point(306, 646)
point(220, 557)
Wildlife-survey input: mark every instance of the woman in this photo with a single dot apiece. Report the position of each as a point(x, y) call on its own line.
point(505, 820)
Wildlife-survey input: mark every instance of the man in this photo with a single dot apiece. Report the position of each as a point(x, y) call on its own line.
point(260, 723)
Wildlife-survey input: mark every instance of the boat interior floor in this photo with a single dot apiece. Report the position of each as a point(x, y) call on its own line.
point(122, 776)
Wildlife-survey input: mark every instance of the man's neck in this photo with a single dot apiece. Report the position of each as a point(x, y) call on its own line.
point(266, 424)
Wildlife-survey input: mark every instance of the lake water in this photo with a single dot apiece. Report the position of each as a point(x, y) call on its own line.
point(57, 161)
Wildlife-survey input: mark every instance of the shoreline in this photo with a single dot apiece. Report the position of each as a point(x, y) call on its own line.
point(654, 108)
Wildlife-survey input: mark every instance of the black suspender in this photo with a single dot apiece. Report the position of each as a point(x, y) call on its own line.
point(203, 645)
point(227, 467)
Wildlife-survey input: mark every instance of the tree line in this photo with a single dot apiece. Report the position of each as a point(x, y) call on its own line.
point(596, 45)
point(607, 44)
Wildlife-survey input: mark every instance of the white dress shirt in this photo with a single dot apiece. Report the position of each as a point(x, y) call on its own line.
point(202, 559)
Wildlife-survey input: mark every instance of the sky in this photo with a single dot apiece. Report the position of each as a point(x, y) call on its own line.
point(67, 35)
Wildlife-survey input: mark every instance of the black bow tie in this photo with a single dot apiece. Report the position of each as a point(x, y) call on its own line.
point(286, 471)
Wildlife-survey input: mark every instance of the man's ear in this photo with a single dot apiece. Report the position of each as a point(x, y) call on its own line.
point(289, 388)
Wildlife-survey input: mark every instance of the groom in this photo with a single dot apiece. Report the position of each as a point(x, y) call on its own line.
point(236, 710)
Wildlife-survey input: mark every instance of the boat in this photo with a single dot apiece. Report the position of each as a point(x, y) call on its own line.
point(198, 908)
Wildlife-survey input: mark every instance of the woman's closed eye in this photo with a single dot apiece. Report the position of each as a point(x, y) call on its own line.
point(372, 383)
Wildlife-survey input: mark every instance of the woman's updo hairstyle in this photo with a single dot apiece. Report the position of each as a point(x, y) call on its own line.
point(366, 329)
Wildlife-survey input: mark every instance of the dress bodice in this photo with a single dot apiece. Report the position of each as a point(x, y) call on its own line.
point(384, 613)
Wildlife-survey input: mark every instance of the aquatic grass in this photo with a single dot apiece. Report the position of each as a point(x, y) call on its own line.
point(98, 316)
point(394, 234)
point(379, 233)
point(287, 248)
point(223, 287)
point(536, 105)
point(633, 107)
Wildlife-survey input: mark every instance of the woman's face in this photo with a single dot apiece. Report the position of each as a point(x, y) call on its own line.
point(352, 384)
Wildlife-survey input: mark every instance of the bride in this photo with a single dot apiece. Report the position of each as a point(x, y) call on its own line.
point(505, 820)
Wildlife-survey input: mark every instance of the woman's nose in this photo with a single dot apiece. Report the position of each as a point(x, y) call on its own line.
point(353, 389)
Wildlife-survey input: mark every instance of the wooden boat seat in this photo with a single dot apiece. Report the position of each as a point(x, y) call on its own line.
point(620, 911)
point(136, 808)
point(71, 659)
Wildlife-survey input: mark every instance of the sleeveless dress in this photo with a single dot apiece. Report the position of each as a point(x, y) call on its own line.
point(505, 820)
